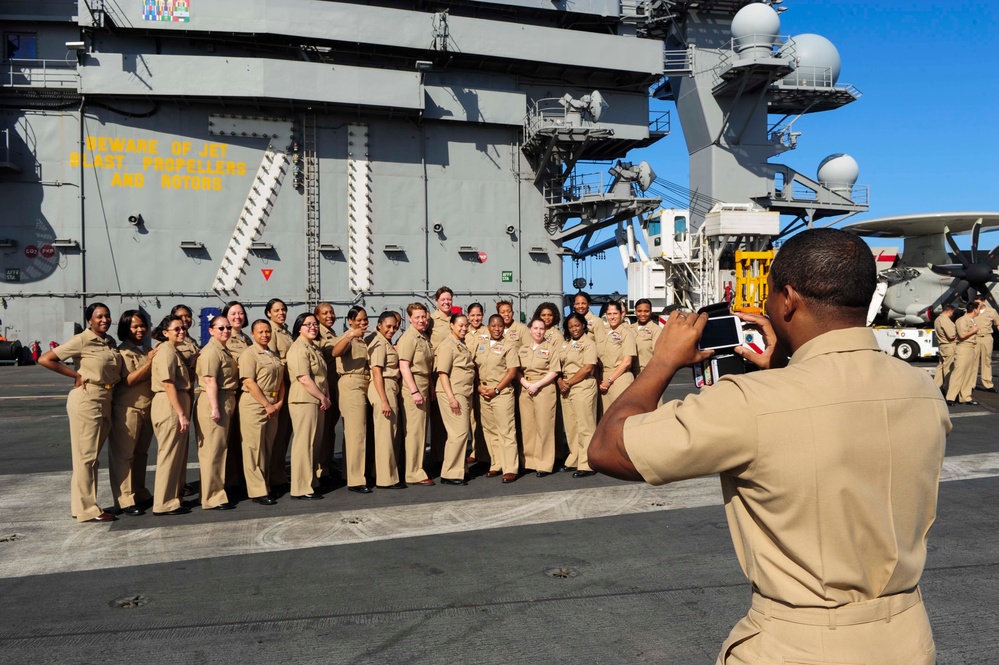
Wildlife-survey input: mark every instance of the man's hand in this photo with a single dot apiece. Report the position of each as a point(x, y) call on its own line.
point(677, 345)
point(771, 357)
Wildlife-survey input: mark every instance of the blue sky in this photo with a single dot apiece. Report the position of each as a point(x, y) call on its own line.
point(924, 132)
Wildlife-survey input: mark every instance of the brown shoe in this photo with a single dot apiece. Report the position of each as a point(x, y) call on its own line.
point(470, 459)
point(492, 474)
point(426, 482)
point(509, 477)
point(103, 517)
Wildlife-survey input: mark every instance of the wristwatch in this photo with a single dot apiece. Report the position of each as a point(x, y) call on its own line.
point(496, 391)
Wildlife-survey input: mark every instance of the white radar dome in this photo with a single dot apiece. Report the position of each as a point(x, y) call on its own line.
point(839, 173)
point(755, 29)
point(818, 60)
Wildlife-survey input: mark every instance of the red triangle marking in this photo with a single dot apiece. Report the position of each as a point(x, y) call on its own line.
point(267, 273)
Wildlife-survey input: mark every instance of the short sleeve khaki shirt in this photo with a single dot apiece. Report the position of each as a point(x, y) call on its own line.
point(829, 467)
point(265, 368)
point(946, 330)
point(305, 359)
point(453, 358)
point(280, 342)
point(139, 396)
point(95, 358)
point(539, 361)
point(616, 344)
point(215, 360)
point(577, 353)
point(170, 365)
point(382, 354)
point(646, 337)
point(492, 359)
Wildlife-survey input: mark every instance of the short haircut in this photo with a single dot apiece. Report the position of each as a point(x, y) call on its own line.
point(584, 294)
point(458, 315)
point(415, 306)
point(494, 316)
point(321, 305)
point(354, 311)
point(442, 290)
point(261, 322)
point(215, 319)
point(229, 305)
point(504, 302)
point(643, 301)
point(125, 323)
point(575, 316)
point(88, 313)
point(831, 268)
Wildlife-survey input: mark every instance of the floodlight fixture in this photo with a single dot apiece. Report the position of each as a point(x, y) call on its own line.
point(76, 46)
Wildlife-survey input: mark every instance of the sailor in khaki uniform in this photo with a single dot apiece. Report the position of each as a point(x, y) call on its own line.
point(578, 392)
point(647, 331)
point(595, 326)
point(830, 466)
point(131, 427)
point(549, 313)
point(477, 333)
point(946, 334)
point(416, 358)
point(171, 415)
point(616, 351)
point(497, 364)
point(383, 395)
point(218, 374)
point(188, 348)
point(331, 345)
point(262, 375)
point(308, 397)
point(962, 378)
point(281, 341)
point(97, 366)
point(455, 384)
point(986, 321)
point(513, 331)
point(238, 342)
point(355, 376)
point(540, 366)
point(438, 330)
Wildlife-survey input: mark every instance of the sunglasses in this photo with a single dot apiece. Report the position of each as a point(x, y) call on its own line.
point(223, 327)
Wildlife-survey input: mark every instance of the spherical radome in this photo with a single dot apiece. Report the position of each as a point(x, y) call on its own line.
point(818, 59)
point(756, 19)
point(839, 170)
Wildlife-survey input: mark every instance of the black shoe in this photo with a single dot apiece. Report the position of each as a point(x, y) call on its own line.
point(970, 402)
point(950, 402)
point(568, 468)
point(183, 510)
point(308, 497)
point(398, 486)
point(452, 481)
point(134, 511)
point(224, 506)
point(360, 489)
point(989, 390)
point(542, 474)
point(188, 490)
point(264, 501)
point(584, 474)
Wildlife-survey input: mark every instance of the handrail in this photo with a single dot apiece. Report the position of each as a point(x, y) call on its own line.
point(40, 73)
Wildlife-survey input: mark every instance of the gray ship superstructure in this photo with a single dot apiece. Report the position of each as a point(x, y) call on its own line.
point(157, 152)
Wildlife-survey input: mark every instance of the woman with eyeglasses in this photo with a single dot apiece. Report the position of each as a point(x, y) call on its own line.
point(308, 399)
point(383, 394)
point(131, 427)
point(262, 375)
point(96, 369)
point(218, 375)
point(171, 415)
point(355, 375)
point(281, 341)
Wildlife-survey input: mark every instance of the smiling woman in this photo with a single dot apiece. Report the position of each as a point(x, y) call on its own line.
point(98, 369)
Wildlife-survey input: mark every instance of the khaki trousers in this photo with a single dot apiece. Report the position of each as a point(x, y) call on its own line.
point(498, 418)
point(458, 427)
point(416, 434)
point(479, 448)
point(171, 452)
point(307, 422)
point(984, 348)
point(89, 414)
point(580, 412)
point(258, 437)
point(616, 389)
point(888, 631)
point(537, 421)
point(354, 408)
point(327, 448)
point(213, 440)
point(386, 464)
point(279, 451)
point(128, 453)
point(962, 378)
point(945, 367)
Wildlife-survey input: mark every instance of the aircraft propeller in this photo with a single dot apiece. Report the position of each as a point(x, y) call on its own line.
point(969, 273)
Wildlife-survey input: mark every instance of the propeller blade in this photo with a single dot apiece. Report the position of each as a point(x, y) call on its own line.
point(949, 271)
point(975, 230)
point(960, 287)
point(957, 253)
point(992, 301)
point(993, 260)
point(945, 298)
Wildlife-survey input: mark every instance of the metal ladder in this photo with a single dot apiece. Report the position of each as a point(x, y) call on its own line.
point(311, 166)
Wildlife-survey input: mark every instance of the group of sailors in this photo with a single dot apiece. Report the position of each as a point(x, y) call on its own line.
point(268, 387)
point(965, 344)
